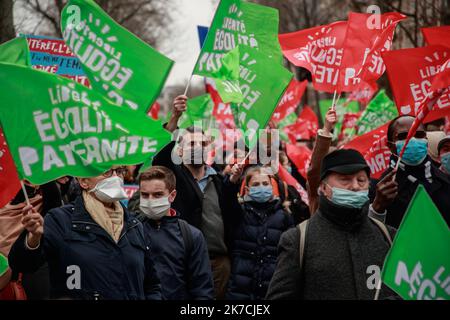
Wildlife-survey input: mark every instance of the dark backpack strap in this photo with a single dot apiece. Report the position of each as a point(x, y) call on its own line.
point(188, 247)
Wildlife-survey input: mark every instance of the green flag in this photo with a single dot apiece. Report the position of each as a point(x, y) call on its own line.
point(262, 87)
point(56, 127)
point(418, 265)
point(15, 51)
point(380, 110)
point(3, 264)
point(199, 110)
point(118, 64)
point(236, 23)
point(226, 77)
point(291, 118)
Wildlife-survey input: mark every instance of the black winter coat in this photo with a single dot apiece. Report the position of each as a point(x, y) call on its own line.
point(254, 250)
point(184, 275)
point(107, 270)
point(438, 189)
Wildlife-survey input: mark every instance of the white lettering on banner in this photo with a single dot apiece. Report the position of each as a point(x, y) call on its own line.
point(103, 59)
point(89, 150)
point(420, 288)
point(210, 61)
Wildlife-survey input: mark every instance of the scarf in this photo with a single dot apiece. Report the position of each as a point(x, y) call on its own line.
point(421, 172)
point(110, 219)
point(345, 217)
point(11, 222)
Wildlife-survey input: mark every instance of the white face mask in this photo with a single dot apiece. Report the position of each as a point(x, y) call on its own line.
point(155, 209)
point(109, 190)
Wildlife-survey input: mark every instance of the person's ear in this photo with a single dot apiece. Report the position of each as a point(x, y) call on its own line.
point(172, 196)
point(84, 183)
point(247, 189)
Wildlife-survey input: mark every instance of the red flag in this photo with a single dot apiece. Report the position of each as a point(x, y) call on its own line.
point(309, 116)
point(367, 36)
point(319, 50)
point(300, 156)
point(437, 35)
point(411, 73)
point(364, 93)
point(291, 98)
point(373, 147)
point(9, 180)
point(349, 122)
point(154, 110)
point(300, 130)
point(290, 180)
point(221, 111)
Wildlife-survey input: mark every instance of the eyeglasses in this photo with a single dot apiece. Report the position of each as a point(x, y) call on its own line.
point(420, 134)
point(118, 171)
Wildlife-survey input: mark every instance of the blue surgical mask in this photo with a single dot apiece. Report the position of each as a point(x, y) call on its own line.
point(348, 198)
point(260, 193)
point(445, 161)
point(415, 152)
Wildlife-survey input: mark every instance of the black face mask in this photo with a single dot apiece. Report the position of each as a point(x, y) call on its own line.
point(345, 217)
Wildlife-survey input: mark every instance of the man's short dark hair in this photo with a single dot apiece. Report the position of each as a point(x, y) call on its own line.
point(159, 173)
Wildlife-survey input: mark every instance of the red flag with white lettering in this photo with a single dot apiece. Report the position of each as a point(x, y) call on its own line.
point(372, 145)
point(367, 36)
point(364, 93)
point(290, 100)
point(9, 179)
point(319, 50)
point(436, 35)
point(411, 73)
point(349, 122)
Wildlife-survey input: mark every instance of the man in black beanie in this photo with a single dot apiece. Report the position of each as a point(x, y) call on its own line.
point(339, 252)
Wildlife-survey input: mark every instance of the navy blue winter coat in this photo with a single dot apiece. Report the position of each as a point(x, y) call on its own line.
point(183, 275)
point(254, 251)
point(108, 270)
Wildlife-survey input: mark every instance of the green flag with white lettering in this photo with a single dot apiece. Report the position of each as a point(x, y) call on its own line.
point(380, 110)
point(239, 23)
point(15, 51)
point(418, 265)
point(198, 112)
point(262, 87)
point(118, 64)
point(56, 127)
point(226, 77)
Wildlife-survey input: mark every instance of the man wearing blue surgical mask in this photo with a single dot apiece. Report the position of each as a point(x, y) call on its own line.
point(328, 257)
point(416, 167)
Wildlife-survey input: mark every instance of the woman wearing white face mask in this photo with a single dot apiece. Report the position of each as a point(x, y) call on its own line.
point(95, 249)
point(179, 249)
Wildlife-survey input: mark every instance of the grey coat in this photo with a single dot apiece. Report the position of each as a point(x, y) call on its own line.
point(335, 265)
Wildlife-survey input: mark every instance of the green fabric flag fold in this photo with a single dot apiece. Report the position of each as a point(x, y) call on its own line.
point(58, 127)
point(198, 112)
point(15, 51)
point(118, 64)
point(417, 266)
point(380, 110)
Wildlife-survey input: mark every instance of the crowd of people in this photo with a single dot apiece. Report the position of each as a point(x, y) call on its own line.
point(234, 231)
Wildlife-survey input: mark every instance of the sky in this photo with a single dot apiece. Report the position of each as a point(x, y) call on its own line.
point(183, 47)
